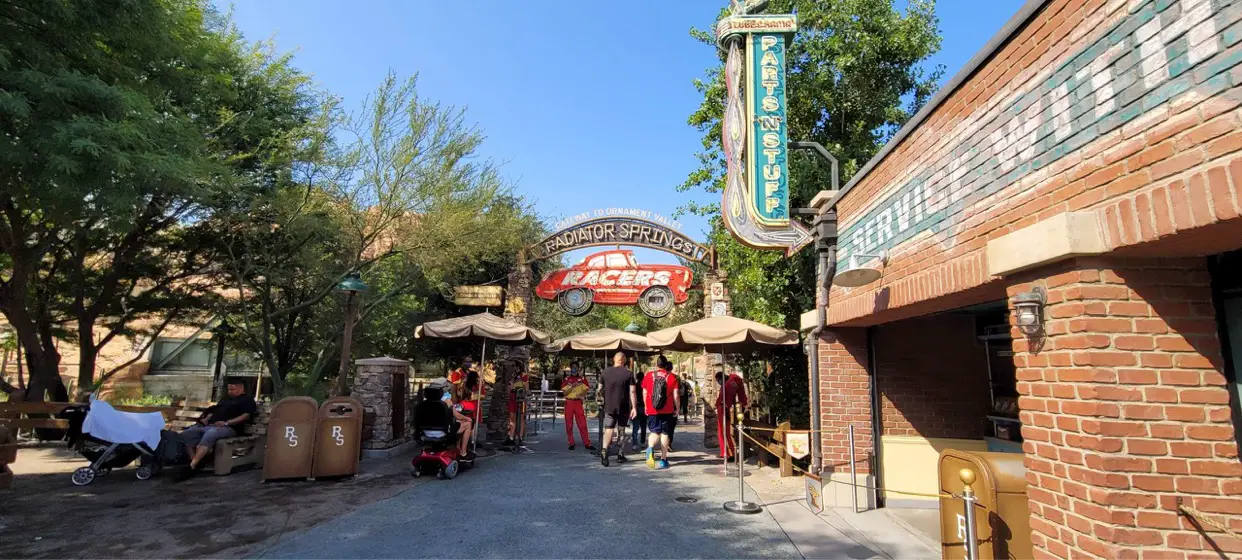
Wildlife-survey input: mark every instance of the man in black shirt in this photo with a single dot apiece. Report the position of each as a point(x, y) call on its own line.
point(619, 405)
point(221, 421)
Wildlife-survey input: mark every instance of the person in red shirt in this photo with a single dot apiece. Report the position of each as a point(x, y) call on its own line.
point(458, 376)
point(660, 387)
point(576, 387)
point(732, 393)
point(517, 393)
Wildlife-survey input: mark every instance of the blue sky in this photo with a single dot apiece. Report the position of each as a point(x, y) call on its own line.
point(583, 102)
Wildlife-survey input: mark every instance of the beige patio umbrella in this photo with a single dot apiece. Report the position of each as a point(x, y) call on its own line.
point(599, 340)
point(487, 327)
point(722, 334)
point(482, 325)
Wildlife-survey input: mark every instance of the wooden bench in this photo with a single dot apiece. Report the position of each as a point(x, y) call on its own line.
point(245, 450)
point(772, 449)
point(229, 454)
point(17, 416)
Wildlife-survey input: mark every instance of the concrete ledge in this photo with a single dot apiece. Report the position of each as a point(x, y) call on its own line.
point(806, 322)
point(837, 491)
point(1060, 237)
point(381, 361)
point(389, 452)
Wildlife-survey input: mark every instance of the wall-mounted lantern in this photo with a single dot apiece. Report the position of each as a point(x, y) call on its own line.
point(1028, 310)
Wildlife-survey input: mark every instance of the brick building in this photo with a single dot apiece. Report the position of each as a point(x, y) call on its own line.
point(1092, 151)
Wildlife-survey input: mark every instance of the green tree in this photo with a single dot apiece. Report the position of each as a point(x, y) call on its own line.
point(395, 192)
point(124, 125)
point(855, 76)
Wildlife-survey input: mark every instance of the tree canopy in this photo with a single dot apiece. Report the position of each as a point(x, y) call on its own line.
point(159, 169)
point(855, 75)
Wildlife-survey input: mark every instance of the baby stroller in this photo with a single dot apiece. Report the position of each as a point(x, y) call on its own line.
point(436, 428)
point(111, 439)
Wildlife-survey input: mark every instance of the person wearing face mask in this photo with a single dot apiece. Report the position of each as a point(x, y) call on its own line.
point(576, 388)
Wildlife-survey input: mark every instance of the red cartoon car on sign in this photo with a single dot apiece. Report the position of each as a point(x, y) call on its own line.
point(615, 278)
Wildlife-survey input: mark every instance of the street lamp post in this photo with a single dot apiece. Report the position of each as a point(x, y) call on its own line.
point(221, 332)
point(352, 284)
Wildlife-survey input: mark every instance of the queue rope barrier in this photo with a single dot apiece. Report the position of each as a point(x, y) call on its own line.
point(903, 492)
point(1203, 518)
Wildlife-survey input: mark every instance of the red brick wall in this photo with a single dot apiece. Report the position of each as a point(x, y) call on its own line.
point(1159, 170)
point(1125, 410)
point(845, 398)
point(932, 376)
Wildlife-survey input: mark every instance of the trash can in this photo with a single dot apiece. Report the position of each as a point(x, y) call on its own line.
point(290, 438)
point(1002, 516)
point(338, 439)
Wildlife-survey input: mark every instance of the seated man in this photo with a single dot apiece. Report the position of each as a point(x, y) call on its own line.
point(224, 420)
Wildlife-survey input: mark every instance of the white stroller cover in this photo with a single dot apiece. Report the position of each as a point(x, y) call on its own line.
point(110, 424)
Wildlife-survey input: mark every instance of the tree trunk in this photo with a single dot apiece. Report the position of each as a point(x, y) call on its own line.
point(21, 381)
point(87, 353)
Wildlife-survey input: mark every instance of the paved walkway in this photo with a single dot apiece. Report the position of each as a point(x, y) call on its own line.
point(554, 503)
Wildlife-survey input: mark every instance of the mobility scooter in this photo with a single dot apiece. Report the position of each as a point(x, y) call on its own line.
point(435, 428)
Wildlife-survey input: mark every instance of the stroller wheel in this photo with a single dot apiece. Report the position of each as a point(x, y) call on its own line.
point(449, 471)
point(83, 476)
point(145, 472)
point(416, 472)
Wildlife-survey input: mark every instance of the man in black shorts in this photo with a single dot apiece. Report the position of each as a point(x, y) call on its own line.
point(619, 405)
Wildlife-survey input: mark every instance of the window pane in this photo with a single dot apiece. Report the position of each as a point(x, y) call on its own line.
point(616, 261)
point(163, 347)
point(597, 262)
point(198, 354)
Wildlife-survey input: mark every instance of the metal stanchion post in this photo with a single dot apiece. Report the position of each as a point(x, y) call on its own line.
point(741, 505)
point(853, 471)
point(968, 505)
point(543, 395)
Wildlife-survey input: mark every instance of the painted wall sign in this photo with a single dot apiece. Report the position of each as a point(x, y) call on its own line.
point(814, 492)
point(755, 202)
point(478, 296)
point(767, 154)
point(620, 231)
point(620, 213)
point(1157, 51)
point(798, 444)
point(616, 278)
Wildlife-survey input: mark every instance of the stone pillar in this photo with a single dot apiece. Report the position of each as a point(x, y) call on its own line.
point(517, 309)
point(711, 439)
point(373, 388)
point(713, 277)
point(844, 395)
point(519, 293)
point(1125, 411)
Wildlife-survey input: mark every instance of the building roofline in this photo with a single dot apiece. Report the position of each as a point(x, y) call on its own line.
point(998, 41)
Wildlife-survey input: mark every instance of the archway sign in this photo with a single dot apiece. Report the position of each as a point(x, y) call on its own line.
point(614, 276)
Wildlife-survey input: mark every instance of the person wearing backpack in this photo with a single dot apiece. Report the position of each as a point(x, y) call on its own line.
point(661, 404)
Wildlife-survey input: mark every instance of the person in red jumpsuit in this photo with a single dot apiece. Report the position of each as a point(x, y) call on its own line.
point(576, 387)
point(732, 393)
point(519, 385)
